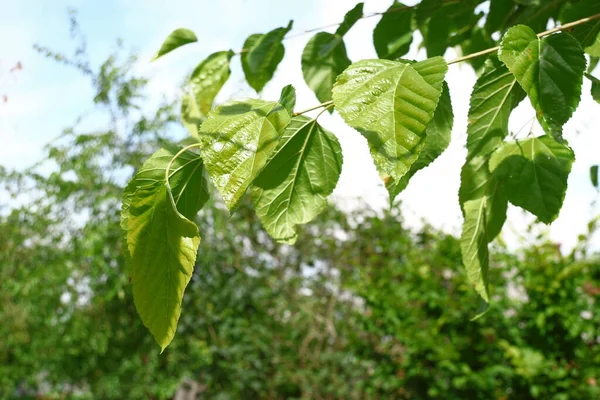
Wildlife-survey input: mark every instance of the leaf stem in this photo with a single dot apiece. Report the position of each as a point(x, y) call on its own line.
point(327, 104)
point(175, 157)
point(541, 34)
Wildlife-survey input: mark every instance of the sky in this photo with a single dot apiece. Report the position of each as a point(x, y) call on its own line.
point(45, 97)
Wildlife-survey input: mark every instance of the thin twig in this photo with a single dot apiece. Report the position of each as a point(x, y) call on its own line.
point(326, 104)
point(490, 50)
point(541, 34)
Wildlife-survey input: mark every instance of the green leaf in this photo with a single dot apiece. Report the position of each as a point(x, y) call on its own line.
point(190, 114)
point(438, 134)
point(425, 9)
point(477, 41)
point(323, 59)
point(350, 19)
point(437, 34)
point(495, 94)
point(500, 11)
point(293, 187)
point(593, 64)
point(596, 89)
point(163, 247)
point(177, 38)
point(209, 77)
point(261, 55)
point(550, 70)
point(594, 175)
point(393, 34)
point(484, 217)
point(288, 98)
point(594, 49)
point(586, 33)
point(390, 103)
point(237, 139)
point(535, 173)
point(187, 181)
point(474, 246)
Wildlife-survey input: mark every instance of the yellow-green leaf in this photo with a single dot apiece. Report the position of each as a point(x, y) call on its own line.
point(177, 38)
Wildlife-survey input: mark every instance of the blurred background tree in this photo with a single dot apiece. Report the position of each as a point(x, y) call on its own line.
point(360, 308)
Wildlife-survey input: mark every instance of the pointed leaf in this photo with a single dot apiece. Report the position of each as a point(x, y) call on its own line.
point(550, 70)
point(209, 77)
point(594, 175)
point(176, 39)
point(288, 98)
point(188, 184)
point(350, 19)
point(439, 132)
point(390, 103)
point(261, 55)
point(323, 59)
point(393, 34)
point(495, 94)
point(163, 247)
point(190, 114)
point(474, 246)
point(476, 234)
point(237, 139)
point(293, 187)
point(595, 87)
point(535, 171)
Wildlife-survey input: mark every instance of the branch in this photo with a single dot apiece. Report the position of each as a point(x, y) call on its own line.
point(487, 51)
point(327, 104)
point(540, 35)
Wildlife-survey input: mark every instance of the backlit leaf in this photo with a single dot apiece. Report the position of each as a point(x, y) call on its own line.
point(190, 114)
point(595, 87)
point(594, 49)
point(438, 134)
point(495, 95)
point(350, 19)
point(390, 103)
point(293, 187)
point(163, 245)
point(393, 34)
point(187, 181)
point(208, 78)
point(288, 98)
point(535, 173)
point(237, 139)
point(176, 39)
point(323, 59)
point(261, 55)
point(550, 70)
